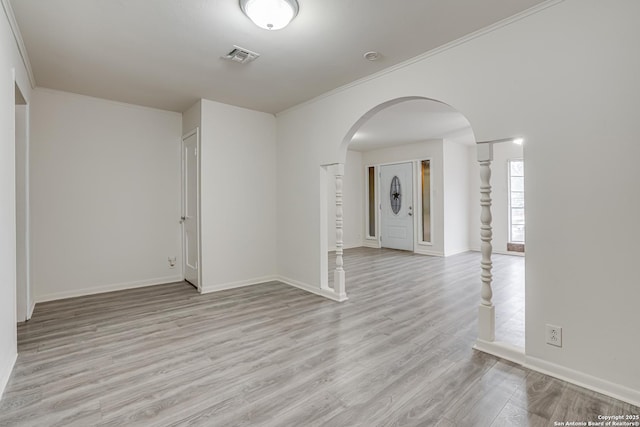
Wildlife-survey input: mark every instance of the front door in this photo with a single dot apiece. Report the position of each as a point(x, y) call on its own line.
point(396, 196)
point(190, 195)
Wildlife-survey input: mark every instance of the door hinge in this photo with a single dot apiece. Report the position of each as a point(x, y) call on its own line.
point(195, 151)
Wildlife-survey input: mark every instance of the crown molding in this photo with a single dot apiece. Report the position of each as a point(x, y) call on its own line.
point(462, 40)
point(11, 18)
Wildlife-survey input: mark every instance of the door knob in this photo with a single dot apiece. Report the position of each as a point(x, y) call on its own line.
point(183, 218)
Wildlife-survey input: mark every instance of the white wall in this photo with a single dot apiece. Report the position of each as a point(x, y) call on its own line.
point(12, 72)
point(565, 80)
point(353, 203)
point(432, 150)
point(192, 118)
point(238, 204)
point(457, 195)
point(105, 195)
point(502, 153)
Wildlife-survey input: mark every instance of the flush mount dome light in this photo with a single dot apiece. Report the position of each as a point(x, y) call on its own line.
point(270, 14)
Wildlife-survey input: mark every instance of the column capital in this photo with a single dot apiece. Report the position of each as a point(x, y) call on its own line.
point(485, 152)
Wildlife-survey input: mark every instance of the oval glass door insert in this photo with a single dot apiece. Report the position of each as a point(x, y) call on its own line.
point(395, 195)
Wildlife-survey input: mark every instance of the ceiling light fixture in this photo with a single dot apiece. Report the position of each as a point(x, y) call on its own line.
point(518, 141)
point(270, 14)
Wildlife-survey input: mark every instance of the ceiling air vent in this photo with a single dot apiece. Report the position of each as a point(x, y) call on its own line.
point(241, 55)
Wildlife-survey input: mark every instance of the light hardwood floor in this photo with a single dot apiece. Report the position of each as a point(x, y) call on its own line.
point(397, 353)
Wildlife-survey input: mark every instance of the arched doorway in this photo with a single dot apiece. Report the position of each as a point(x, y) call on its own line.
point(403, 125)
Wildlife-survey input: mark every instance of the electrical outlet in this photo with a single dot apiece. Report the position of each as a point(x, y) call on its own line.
point(554, 335)
point(172, 262)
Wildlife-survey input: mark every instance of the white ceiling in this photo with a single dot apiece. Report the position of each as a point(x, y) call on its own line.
point(167, 53)
point(412, 121)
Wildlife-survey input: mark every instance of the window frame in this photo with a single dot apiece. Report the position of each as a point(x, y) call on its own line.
point(368, 193)
point(512, 245)
point(420, 213)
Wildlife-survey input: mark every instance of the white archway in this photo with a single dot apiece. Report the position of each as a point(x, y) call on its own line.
point(486, 310)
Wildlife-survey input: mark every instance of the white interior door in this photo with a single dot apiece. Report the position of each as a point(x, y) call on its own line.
point(396, 199)
point(190, 208)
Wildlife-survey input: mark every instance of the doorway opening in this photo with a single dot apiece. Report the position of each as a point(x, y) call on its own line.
point(190, 218)
point(417, 131)
point(24, 297)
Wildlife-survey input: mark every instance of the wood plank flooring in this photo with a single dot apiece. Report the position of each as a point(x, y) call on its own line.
point(397, 353)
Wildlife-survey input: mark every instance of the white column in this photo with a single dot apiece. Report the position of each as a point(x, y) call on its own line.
point(486, 311)
point(338, 274)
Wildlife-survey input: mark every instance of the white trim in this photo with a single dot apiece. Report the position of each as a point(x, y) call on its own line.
point(456, 252)
point(196, 132)
point(30, 300)
point(502, 350)
point(333, 249)
point(585, 380)
point(239, 284)
point(107, 288)
point(440, 49)
point(327, 293)
point(22, 50)
point(520, 254)
point(426, 250)
point(371, 243)
point(509, 208)
point(4, 376)
point(31, 309)
point(324, 225)
point(419, 214)
point(517, 355)
point(367, 219)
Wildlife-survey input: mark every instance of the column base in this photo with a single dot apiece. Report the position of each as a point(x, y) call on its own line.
point(487, 323)
point(339, 284)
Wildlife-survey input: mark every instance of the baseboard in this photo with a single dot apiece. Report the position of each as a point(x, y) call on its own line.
point(516, 355)
point(582, 379)
point(5, 374)
point(456, 252)
point(333, 249)
point(500, 252)
point(502, 350)
point(239, 284)
point(374, 244)
point(426, 251)
point(107, 288)
point(312, 289)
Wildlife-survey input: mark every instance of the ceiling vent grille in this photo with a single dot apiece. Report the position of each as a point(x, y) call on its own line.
point(241, 55)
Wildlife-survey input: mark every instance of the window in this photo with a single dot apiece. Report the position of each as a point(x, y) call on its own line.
point(372, 201)
point(425, 184)
point(395, 195)
point(516, 206)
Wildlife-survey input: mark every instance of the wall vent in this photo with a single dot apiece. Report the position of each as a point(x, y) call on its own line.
point(241, 55)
